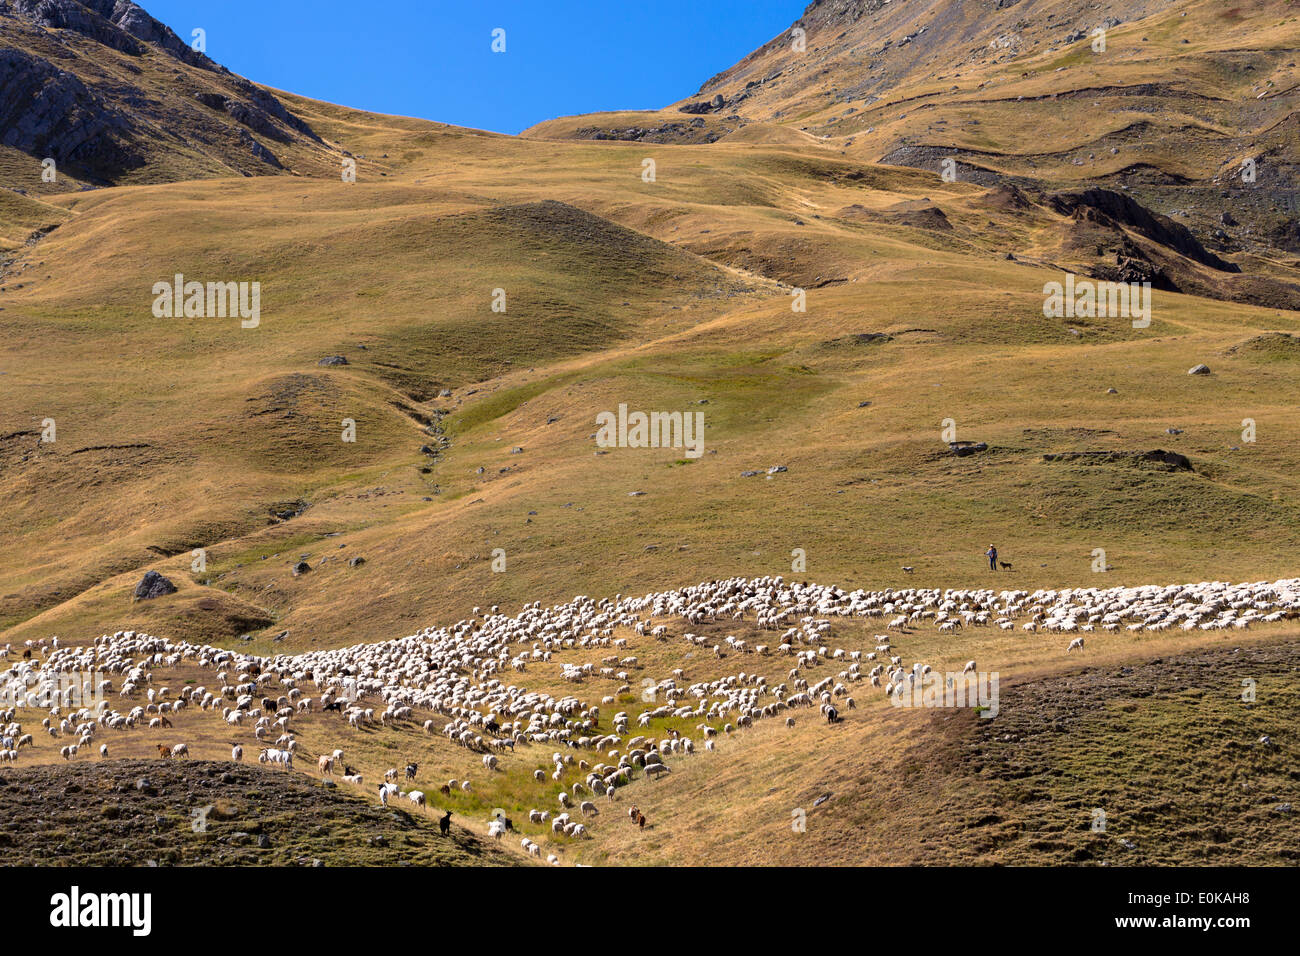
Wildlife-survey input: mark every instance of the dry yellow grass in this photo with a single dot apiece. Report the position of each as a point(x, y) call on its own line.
point(177, 436)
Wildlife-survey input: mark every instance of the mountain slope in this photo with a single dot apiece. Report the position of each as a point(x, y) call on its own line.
point(1182, 93)
point(113, 96)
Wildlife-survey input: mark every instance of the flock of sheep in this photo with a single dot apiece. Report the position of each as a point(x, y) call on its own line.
point(469, 676)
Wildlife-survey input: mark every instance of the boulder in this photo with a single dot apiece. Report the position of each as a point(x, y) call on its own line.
point(153, 585)
point(333, 360)
point(1199, 370)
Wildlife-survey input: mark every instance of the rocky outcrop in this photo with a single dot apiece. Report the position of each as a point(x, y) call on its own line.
point(1112, 208)
point(119, 24)
point(97, 124)
point(153, 585)
point(45, 111)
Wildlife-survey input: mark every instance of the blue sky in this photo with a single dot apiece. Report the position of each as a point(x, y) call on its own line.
point(433, 58)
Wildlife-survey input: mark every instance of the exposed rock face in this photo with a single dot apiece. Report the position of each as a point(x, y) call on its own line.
point(45, 111)
point(115, 23)
point(153, 585)
point(1111, 208)
point(57, 100)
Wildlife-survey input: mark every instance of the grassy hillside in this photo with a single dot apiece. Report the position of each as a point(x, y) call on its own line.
point(200, 813)
point(832, 317)
point(177, 434)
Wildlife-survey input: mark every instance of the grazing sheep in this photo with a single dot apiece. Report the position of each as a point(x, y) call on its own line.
point(1077, 643)
point(417, 798)
point(236, 753)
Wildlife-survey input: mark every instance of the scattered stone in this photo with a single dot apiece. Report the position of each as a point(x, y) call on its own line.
point(1112, 391)
point(777, 469)
point(635, 494)
point(302, 567)
point(1199, 370)
point(333, 360)
point(358, 560)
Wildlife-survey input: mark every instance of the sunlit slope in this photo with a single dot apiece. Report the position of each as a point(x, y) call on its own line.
point(1169, 100)
point(671, 295)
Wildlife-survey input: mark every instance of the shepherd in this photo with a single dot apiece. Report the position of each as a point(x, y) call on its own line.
point(992, 554)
